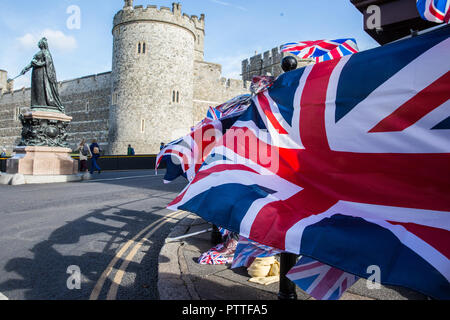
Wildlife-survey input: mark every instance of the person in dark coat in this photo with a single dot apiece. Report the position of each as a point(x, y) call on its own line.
point(95, 150)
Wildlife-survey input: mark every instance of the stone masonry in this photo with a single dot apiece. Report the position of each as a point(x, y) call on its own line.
point(268, 63)
point(86, 99)
point(159, 86)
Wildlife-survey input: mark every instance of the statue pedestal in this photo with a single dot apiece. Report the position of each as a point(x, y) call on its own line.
point(44, 128)
point(42, 161)
point(42, 156)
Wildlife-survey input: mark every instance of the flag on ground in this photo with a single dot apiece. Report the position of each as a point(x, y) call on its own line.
point(320, 280)
point(247, 251)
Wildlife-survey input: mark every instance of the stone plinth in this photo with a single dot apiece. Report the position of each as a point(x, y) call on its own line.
point(42, 161)
point(44, 128)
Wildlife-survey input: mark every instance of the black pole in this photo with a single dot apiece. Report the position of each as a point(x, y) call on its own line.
point(287, 287)
point(287, 260)
point(216, 236)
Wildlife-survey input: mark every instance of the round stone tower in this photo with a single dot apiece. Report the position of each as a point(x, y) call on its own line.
point(152, 76)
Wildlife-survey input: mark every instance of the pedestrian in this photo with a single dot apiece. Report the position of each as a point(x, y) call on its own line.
point(162, 146)
point(85, 154)
point(3, 154)
point(130, 150)
point(95, 151)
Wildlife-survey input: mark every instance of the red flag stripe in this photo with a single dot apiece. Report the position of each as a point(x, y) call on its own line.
point(416, 108)
point(437, 238)
point(265, 106)
point(435, 12)
point(312, 110)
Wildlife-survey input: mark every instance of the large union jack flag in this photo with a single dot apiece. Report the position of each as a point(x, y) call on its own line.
point(321, 50)
point(345, 162)
point(434, 10)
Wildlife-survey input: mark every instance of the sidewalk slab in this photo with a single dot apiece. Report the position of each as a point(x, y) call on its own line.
point(182, 278)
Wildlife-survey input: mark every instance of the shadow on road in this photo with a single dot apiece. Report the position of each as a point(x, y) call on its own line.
point(90, 243)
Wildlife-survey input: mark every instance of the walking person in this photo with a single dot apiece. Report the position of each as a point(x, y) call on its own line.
point(3, 154)
point(85, 154)
point(95, 151)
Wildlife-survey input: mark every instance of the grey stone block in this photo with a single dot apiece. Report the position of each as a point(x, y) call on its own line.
point(17, 179)
point(5, 178)
point(218, 288)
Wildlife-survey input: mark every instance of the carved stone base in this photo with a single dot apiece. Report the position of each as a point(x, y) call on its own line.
point(42, 161)
point(44, 128)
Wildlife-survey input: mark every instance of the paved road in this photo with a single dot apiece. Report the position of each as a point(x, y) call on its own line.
point(111, 228)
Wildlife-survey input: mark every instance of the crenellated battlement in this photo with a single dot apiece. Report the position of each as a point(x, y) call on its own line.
point(234, 84)
point(267, 63)
point(152, 13)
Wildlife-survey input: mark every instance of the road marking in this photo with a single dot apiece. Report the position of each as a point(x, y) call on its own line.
point(124, 178)
point(112, 293)
point(101, 281)
point(3, 297)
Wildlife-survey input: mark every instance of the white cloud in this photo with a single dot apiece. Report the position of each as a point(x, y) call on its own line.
point(231, 65)
point(223, 3)
point(56, 39)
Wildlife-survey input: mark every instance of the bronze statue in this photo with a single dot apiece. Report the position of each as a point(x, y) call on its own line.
point(44, 86)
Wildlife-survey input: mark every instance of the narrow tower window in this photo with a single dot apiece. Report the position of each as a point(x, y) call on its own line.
point(139, 47)
point(143, 48)
point(175, 96)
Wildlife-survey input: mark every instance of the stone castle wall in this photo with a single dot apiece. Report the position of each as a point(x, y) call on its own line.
point(86, 99)
point(211, 89)
point(268, 63)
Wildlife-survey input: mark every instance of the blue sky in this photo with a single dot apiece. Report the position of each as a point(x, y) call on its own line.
point(234, 30)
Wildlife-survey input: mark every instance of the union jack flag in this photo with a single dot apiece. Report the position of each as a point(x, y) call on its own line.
point(434, 10)
point(358, 171)
point(214, 256)
point(320, 280)
point(184, 156)
point(321, 50)
point(247, 251)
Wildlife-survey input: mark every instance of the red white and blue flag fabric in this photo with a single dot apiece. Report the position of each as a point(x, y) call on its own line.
point(233, 106)
point(434, 10)
point(214, 256)
point(247, 251)
point(345, 162)
point(321, 281)
point(321, 50)
point(184, 157)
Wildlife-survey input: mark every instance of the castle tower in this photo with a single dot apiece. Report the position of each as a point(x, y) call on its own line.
point(200, 39)
point(152, 76)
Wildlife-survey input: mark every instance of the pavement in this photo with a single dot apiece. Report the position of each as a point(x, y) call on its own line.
point(182, 278)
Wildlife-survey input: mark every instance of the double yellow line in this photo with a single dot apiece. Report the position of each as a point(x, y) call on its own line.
point(117, 280)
